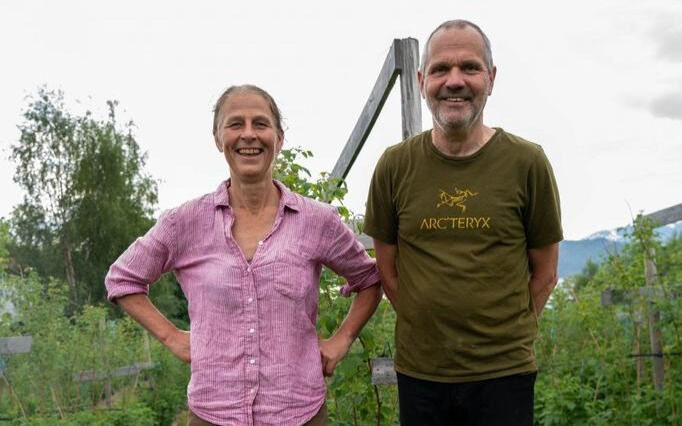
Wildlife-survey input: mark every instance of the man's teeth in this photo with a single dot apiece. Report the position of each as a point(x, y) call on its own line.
point(455, 99)
point(249, 151)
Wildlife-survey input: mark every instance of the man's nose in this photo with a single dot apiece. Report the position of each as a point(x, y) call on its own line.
point(455, 78)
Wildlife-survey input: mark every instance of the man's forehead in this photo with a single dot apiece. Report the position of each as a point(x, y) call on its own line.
point(463, 42)
point(458, 37)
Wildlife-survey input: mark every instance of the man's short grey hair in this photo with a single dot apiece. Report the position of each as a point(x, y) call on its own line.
point(459, 23)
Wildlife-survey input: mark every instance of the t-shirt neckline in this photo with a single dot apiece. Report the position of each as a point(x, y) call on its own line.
point(481, 151)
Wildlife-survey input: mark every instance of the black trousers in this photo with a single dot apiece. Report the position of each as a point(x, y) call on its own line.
point(504, 401)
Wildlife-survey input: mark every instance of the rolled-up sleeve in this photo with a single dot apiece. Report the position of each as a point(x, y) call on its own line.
point(348, 258)
point(144, 261)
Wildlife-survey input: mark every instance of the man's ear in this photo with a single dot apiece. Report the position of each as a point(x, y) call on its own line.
point(420, 80)
point(217, 143)
point(493, 73)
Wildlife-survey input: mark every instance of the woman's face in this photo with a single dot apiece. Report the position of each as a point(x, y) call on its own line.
point(247, 135)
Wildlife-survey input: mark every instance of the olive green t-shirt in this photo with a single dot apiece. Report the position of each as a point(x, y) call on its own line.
point(463, 227)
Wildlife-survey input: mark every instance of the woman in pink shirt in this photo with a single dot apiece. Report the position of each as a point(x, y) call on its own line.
point(248, 257)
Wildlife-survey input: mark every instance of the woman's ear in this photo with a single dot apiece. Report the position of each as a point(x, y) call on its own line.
point(279, 143)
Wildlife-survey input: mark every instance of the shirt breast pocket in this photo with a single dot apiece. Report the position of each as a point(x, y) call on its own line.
point(291, 280)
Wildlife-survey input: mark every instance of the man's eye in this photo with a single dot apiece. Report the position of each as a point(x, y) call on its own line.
point(261, 125)
point(471, 68)
point(233, 125)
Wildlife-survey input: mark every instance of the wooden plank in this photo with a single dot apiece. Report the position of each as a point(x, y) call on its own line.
point(368, 116)
point(128, 370)
point(666, 216)
point(383, 372)
point(407, 62)
point(15, 345)
point(612, 296)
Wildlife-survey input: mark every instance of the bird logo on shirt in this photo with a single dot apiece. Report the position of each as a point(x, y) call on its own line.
point(457, 199)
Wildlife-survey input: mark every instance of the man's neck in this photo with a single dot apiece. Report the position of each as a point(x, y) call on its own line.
point(461, 142)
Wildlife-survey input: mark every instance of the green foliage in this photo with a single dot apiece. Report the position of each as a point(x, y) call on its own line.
point(296, 178)
point(587, 374)
point(42, 387)
point(351, 397)
point(86, 198)
point(136, 414)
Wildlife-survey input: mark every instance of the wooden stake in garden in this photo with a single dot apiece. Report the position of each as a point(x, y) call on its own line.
point(654, 316)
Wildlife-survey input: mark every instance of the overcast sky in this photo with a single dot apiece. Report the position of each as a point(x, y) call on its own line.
point(597, 83)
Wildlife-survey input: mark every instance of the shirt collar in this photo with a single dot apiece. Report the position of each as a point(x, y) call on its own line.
point(221, 197)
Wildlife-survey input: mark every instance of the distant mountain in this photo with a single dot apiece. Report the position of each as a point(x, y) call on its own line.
point(574, 254)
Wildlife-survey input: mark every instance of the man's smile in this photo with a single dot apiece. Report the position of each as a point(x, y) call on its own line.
point(249, 151)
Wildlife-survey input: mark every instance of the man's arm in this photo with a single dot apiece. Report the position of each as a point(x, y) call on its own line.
point(335, 348)
point(543, 274)
point(145, 313)
point(386, 255)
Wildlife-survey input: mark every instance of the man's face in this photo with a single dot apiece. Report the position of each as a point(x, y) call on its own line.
point(456, 81)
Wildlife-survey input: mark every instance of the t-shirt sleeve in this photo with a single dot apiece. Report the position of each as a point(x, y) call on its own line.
point(542, 215)
point(344, 254)
point(381, 220)
point(143, 263)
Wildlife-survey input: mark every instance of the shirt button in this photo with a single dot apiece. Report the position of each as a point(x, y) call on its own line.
point(260, 243)
point(249, 300)
point(252, 361)
point(252, 390)
point(251, 330)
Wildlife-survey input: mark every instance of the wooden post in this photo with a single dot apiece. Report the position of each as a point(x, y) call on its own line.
point(407, 61)
point(641, 368)
point(403, 60)
point(654, 316)
point(105, 361)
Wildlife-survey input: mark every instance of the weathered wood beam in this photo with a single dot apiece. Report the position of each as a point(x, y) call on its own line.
point(15, 345)
point(369, 114)
point(666, 216)
point(612, 296)
point(383, 372)
point(654, 318)
point(407, 62)
point(128, 370)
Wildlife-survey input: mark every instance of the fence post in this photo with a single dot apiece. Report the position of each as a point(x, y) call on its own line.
point(654, 316)
point(407, 61)
point(105, 361)
point(402, 60)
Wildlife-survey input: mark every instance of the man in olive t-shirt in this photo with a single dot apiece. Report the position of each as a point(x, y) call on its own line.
point(466, 225)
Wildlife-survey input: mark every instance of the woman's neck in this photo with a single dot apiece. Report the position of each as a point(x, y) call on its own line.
point(253, 196)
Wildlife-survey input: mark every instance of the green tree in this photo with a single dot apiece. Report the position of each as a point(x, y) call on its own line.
point(87, 195)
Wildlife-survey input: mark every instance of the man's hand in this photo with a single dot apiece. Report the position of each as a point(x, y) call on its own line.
point(178, 343)
point(332, 351)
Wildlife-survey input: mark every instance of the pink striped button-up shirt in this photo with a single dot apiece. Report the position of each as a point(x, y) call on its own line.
point(254, 348)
